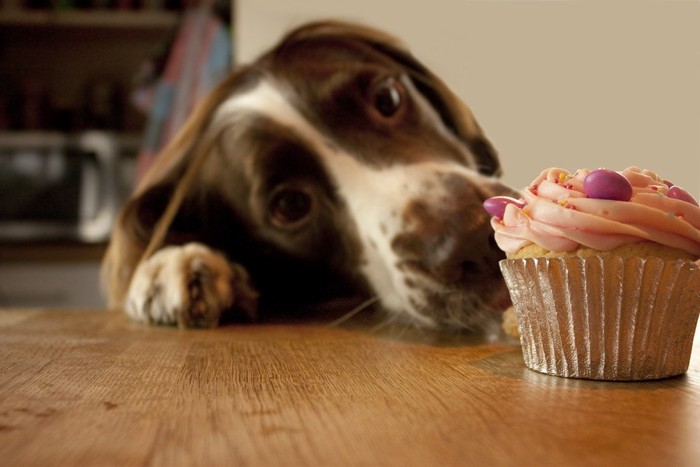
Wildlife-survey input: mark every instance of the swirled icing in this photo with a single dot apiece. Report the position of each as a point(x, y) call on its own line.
point(558, 216)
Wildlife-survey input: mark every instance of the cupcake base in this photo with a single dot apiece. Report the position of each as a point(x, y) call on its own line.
point(605, 318)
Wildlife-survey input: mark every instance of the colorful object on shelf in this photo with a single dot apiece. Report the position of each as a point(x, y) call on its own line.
point(201, 56)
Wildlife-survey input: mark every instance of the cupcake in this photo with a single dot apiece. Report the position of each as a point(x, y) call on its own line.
point(602, 269)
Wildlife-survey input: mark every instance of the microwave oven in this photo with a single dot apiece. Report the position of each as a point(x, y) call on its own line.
point(56, 186)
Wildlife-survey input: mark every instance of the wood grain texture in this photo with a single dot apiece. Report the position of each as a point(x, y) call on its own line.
point(92, 388)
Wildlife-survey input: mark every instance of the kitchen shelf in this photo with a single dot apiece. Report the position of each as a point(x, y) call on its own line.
point(72, 70)
point(110, 19)
point(127, 140)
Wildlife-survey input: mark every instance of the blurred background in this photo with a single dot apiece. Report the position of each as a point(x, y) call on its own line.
point(91, 89)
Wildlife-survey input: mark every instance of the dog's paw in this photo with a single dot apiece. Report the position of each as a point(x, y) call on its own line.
point(188, 285)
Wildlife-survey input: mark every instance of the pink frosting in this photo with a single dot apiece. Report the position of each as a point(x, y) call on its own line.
point(558, 215)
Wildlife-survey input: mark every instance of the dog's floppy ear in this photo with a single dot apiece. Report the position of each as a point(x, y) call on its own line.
point(452, 110)
point(157, 192)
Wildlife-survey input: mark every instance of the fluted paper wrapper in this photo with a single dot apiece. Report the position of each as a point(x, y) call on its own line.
point(605, 318)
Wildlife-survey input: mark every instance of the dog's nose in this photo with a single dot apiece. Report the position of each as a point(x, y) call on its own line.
point(471, 255)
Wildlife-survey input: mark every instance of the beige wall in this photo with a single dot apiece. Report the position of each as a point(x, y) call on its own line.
point(554, 83)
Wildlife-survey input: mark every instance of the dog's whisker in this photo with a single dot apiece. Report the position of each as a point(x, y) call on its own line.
point(352, 313)
point(390, 320)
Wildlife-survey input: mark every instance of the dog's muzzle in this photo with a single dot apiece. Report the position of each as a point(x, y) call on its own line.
point(449, 236)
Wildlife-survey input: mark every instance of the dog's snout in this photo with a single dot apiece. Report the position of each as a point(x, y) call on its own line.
point(450, 240)
point(473, 256)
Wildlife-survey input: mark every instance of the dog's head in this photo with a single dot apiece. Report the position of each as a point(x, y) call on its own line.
point(337, 161)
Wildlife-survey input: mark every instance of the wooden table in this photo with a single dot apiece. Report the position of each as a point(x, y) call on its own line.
point(93, 388)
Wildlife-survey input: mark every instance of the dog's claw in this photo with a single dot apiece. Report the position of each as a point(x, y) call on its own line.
point(198, 314)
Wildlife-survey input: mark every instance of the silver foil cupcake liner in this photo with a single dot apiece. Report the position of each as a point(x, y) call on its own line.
point(605, 318)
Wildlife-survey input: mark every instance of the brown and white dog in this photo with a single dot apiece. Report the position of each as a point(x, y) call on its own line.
point(336, 163)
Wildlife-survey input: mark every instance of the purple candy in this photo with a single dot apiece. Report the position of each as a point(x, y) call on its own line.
point(677, 192)
point(607, 184)
point(496, 206)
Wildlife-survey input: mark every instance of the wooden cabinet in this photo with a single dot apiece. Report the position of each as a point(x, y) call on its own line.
point(74, 70)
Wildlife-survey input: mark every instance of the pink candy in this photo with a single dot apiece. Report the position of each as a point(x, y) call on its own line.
point(496, 206)
point(679, 193)
point(607, 184)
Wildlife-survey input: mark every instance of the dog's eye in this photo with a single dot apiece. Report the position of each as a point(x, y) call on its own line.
point(290, 206)
point(387, 97)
